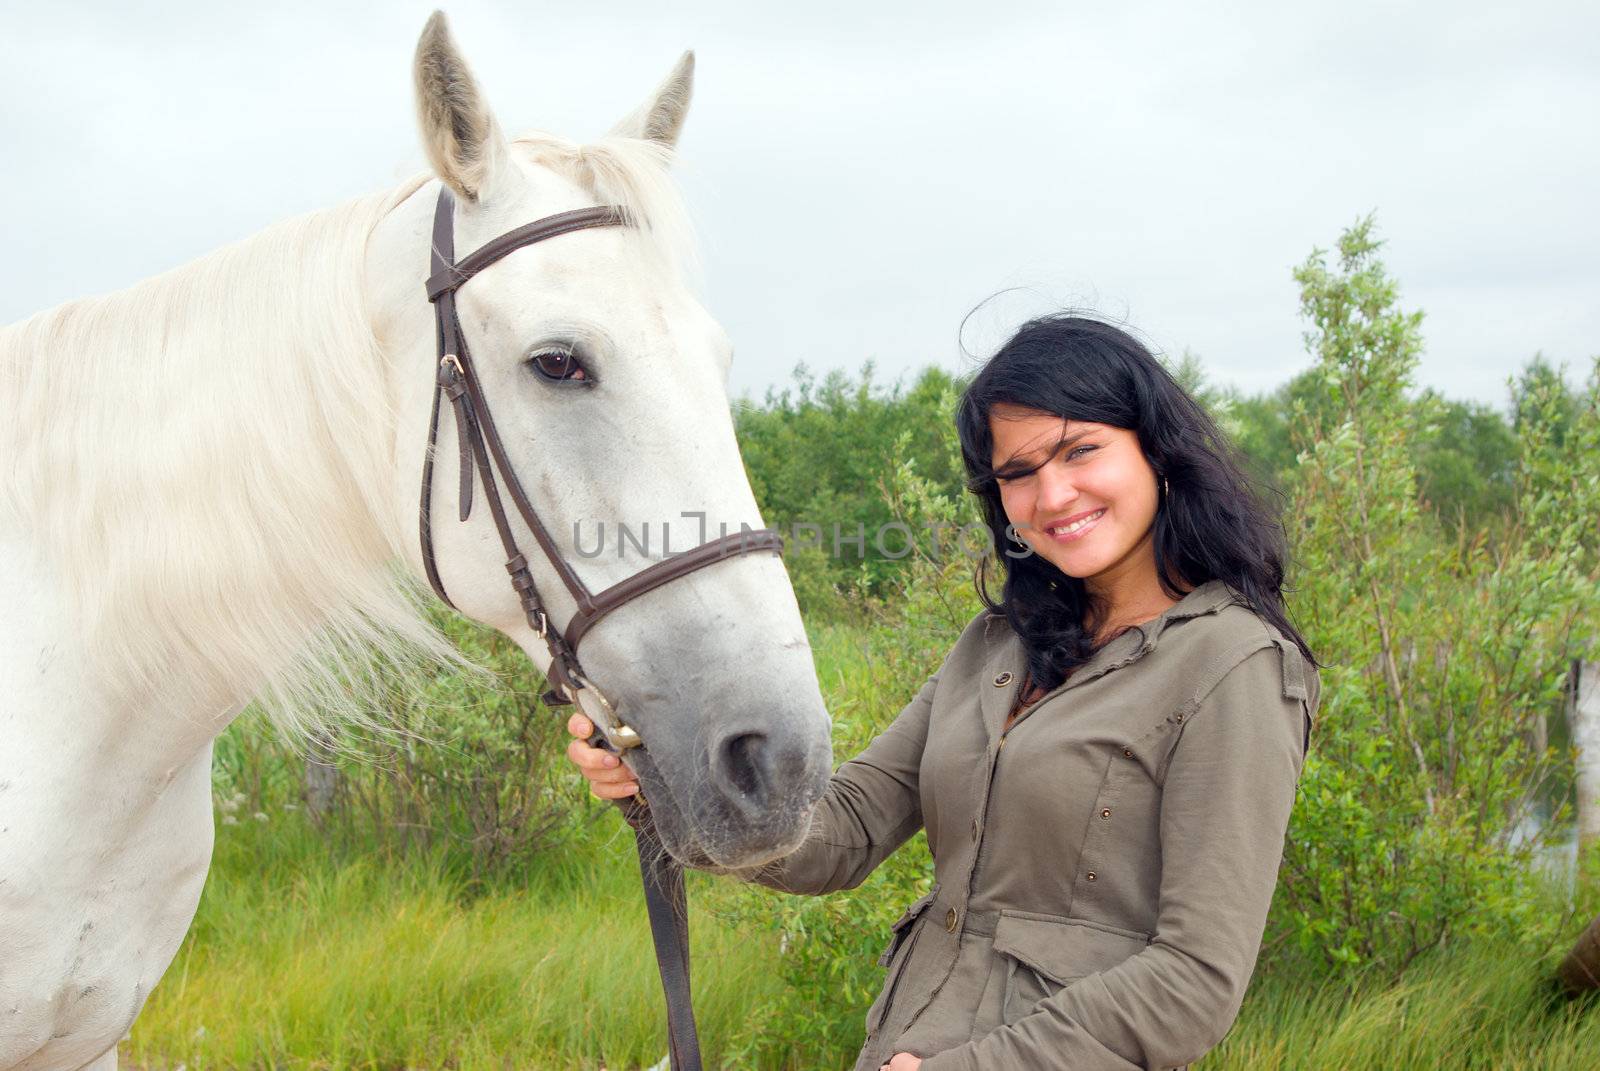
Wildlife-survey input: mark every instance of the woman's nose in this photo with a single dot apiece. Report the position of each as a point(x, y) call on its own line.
point(1056, 491)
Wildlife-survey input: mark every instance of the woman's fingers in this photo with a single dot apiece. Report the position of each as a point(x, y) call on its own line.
point(614, 792)
point(593, 761)
point(608, 778)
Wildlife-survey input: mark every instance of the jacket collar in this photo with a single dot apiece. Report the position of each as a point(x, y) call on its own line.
point(1007, 660)
point(1212, 595)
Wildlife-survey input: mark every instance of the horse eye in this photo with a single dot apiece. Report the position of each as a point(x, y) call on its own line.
point(559, 366)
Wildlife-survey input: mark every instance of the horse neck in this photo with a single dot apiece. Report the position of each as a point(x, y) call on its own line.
point(206, 461)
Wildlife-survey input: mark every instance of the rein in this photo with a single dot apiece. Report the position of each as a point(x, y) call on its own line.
point(481, 450)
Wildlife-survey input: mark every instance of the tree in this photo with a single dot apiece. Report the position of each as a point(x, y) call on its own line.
point(1558, 500)
point(1441, 654)
point(815, 454)
point(1467, 470)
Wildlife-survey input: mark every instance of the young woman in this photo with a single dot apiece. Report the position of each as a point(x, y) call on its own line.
point(1106, 760)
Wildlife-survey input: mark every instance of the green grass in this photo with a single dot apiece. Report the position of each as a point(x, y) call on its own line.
point(297, 962)
point(294, 961)
point(1483, 1006)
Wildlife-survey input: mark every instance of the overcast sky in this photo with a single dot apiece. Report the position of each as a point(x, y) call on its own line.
point(864, 174)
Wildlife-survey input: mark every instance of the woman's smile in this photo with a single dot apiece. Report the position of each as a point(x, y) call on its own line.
point(1074, 527)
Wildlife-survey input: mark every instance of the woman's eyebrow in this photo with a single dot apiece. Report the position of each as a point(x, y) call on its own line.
point(1016, 461)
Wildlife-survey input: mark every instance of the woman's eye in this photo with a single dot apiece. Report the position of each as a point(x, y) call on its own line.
point(558, 365)
point(1076, 450)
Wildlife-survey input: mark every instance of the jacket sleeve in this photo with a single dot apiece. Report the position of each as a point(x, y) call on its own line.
point(1225, 807)
point(872, 805)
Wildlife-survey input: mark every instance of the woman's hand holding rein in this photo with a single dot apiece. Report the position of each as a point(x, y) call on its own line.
point(608, 778)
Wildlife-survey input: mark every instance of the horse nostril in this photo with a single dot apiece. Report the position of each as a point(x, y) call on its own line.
point(743, 757)
point(753, 769)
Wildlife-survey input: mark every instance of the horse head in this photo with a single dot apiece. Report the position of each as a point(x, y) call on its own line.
point(607, 382)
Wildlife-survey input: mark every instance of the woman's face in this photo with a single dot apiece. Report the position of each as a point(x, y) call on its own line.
point(1088, 509)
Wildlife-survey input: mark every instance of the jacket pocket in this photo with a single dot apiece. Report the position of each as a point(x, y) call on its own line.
point(1041, 954)
point(894, 957)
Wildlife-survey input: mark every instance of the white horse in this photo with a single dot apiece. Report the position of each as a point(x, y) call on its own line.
point(208, 495)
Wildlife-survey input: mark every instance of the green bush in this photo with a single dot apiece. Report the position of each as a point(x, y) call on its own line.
point(1444, 657)
point(815, 454)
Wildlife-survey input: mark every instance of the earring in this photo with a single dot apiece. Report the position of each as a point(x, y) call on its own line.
point(1166, 491)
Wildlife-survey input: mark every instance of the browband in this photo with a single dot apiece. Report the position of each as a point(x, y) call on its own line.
point(448, 276)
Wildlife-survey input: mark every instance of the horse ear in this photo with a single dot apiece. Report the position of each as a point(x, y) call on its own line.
point(459, 134)
point(660, 119)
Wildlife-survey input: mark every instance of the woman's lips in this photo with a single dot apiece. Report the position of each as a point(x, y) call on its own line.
point(1083, 528)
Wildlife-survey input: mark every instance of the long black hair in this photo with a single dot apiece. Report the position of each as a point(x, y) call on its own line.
point(1209, 523)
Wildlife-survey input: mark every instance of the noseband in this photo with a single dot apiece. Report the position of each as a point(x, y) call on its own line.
point(480, 447)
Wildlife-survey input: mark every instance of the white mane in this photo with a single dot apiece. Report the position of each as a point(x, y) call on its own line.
point(206, 458)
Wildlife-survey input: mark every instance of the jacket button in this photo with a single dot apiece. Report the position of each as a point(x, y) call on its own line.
point(950, 920)
point(1105, 812)
point(1127, 752)
point(1002, 680)
point(1090, 875)
point(1177, 717)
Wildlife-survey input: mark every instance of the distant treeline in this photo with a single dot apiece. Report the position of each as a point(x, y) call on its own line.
point(817, 451)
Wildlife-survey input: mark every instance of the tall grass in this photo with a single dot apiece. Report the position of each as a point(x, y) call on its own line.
point(299, 960)
point(1489, 1005)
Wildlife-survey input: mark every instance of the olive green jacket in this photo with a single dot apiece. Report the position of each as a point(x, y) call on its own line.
point(1102, 870)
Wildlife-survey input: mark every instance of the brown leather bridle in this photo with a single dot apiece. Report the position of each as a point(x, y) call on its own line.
point(480, 447)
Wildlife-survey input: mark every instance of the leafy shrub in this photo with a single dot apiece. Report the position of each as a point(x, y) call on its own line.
point(815, 454)
point(1443, 656)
